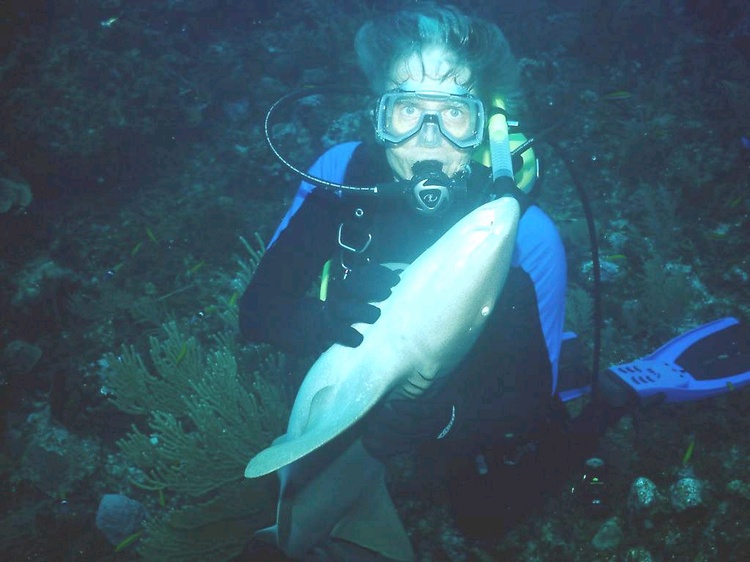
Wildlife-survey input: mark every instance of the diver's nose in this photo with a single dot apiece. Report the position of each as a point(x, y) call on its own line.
point(429, 135)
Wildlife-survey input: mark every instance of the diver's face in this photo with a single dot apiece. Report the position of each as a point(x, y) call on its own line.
point(427, 73)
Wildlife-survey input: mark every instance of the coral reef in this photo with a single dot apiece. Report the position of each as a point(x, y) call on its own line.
point(205, 421)
point(138, 128)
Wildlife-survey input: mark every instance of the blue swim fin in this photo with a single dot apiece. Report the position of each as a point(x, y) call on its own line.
point(704, 362)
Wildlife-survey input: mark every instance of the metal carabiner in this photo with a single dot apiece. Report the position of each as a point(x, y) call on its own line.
point(345, 247)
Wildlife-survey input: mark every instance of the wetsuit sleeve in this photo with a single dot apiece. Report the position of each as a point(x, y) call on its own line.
point(540, 253)
point(302, 243)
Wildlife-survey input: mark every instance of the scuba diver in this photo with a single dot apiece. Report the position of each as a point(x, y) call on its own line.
point(443, 145)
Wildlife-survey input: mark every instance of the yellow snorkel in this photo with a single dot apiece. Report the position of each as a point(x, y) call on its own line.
point(508, 154)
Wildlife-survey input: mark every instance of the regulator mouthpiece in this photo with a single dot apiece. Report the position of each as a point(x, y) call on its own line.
point(432, 187)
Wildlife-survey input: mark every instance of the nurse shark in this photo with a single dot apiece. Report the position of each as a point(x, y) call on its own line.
point(330, 486)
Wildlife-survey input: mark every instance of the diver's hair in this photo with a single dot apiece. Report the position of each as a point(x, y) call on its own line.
point(476, 44)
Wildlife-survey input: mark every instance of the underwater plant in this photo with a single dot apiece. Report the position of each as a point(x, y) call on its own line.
point(204, 420)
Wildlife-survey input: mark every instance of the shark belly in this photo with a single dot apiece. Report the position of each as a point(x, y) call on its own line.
point(426, 326)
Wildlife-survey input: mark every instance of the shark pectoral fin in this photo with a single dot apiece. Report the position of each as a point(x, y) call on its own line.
point(268, 534)
point(373, 523)
point(326, 422)
point(280, 439)
point(322, 403)
point(280, 454)
point(285, 449)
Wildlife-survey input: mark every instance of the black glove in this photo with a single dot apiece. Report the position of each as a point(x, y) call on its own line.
point(309, 325)
point(370, 282)
point(348, 303)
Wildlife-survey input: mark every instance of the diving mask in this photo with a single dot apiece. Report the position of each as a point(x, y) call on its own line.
point(401, 114)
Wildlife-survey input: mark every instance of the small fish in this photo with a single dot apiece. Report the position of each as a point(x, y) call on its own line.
point(109, 22)
point(196, 267)
point(233, 299)
point(181, 355)
point(734, 203)
point(150, 234)
point(127, 541)
point(136, 248)
point(613, 257)
point(617, 95)
point(689, 451)
point(162, 502)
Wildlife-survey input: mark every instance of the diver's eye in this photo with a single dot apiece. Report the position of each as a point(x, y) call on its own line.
point(455, 115)
point(408, 110)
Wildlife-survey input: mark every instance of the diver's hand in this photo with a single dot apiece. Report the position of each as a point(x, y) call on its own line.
point(320, 324)
point(349, 301)
point(303, 326)
point(316, 324)
point(370, 282)
point(309, 325)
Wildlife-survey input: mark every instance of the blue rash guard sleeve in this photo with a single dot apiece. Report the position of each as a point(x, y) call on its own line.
point(540, 253)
